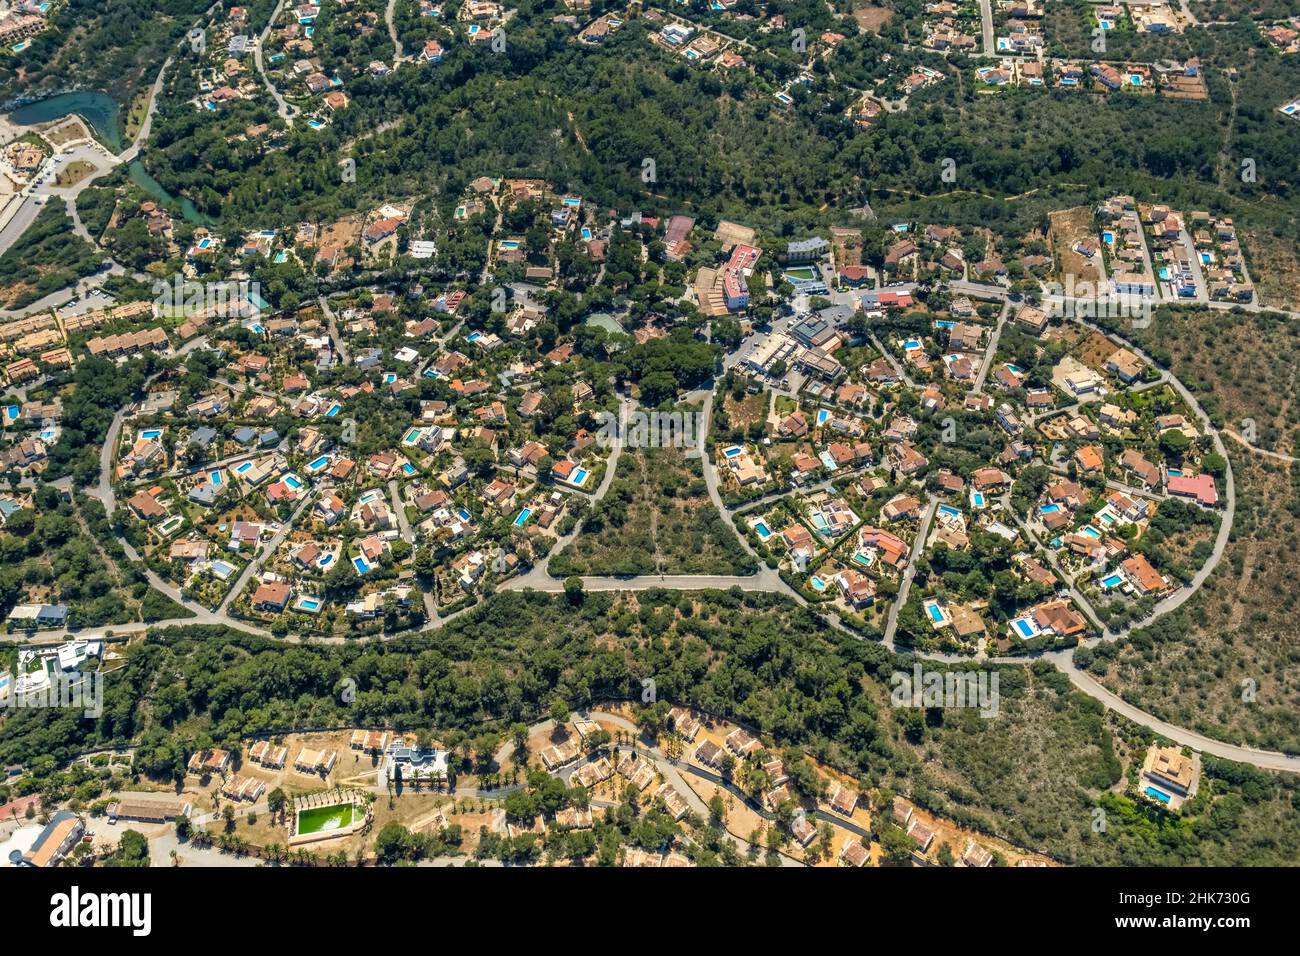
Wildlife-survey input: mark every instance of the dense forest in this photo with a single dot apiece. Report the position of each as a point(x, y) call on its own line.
point(1034, 775)
point(723, 146)
point(111, 45)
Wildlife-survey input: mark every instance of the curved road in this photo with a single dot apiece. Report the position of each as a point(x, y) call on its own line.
point(766, 579)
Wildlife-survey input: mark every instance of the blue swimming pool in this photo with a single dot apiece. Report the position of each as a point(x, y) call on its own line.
point(822, 415)
point(1112, 581)
point(1050, 508)
point(408, 469)
point(324, 559)
point(935, 612)
point(977, 499)
point(523, 517)
point(292, 481)
point(912, 344)
point(214, 477)
point(241, 469)
point(733, 452)
point(360, 564)
point(579, 476)
point(318, 463)
point(817, 583)
point(12, 413)
point(334, 410)
point(949, 511)
point(463, 515)
point(151, 434)
point(1158, 794)
point(762, 530)
point(1023, 627)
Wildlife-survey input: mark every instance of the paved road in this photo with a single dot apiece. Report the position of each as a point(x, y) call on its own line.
point(267, 550)
point(282, 106)
point(918, 546)
point(768, 580)
point(992, 350)
point(1267, 759)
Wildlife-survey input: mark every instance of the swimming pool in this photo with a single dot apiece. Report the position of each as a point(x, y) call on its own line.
point(912, 344)
point(1090, 531)
point(412, 436)
point(822, 415)
point(319, 463)
point(1112, 581)
point(864, 558)
point(408, 469)
point(293, 481)
point(586, 233)
point(733, 451)
point(221, 569)
point(311, 605)
point(324, 559)
point(509, 245)
point(1024, 627)
point(473, 336)
point(817, 583)
point(949, 511)
point(934, 611)
point(977, 499)
point(579, 476)
point(360, 564)
point(1158, 794)
point(151, 434)
point(1050, 508)
point(12, 413)
point(1108, 237)
point(762, 530)
point(827, 460)
point(334, 410)
point(242, 469)
point(523, 517)
point(215, 477)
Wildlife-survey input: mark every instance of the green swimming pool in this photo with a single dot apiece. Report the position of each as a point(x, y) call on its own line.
point(320, 819)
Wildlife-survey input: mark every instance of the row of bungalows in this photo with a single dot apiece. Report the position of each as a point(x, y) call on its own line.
point(369, 741)
point(147, 811)
point(674, 802)
point(266, 754)
point(558, 755)
point(598, 771)
point(212, 760)
point(128, 343)
point(315, 761)
point(639, 773)
point(244, 789)
point(685, 725)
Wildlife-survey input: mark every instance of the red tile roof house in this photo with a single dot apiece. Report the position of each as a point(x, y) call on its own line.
point(271, 597)
point(1200, 487)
